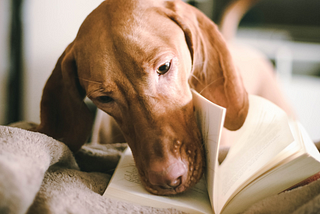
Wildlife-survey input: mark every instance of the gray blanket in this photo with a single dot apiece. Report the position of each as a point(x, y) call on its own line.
point(40, 175)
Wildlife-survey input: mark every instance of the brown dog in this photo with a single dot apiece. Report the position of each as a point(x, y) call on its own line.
point(137, 60)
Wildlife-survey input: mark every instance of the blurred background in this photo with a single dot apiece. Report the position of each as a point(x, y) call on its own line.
point(34, 33)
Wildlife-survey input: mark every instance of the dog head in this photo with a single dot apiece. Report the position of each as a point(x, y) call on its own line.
point(136, 61)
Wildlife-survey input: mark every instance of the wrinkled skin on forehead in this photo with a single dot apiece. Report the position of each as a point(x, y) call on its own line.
point(117, 60)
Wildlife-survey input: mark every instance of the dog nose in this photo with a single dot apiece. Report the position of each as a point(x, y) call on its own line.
point(167, 177)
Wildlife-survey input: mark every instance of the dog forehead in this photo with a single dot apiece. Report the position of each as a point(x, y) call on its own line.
point(119, 17)
point(117, 41)
point(137, 35)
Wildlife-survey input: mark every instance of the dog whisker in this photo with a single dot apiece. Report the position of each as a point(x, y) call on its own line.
point(196, 78)
point(210, 84)
point(198, 64)
point(91, 81)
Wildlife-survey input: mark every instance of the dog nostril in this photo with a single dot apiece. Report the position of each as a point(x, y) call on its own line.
point(169, 177)
point(171, 184)
point(175, 183)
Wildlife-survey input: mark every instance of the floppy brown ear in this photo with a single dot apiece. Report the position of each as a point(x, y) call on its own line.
point(214, 74)
point(64, 115)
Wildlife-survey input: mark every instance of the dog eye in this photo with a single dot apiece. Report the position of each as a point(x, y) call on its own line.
point(164, 68)
point(105, 99)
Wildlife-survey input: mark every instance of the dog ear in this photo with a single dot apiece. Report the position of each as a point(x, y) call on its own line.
point(213, 74)
point(64, 115)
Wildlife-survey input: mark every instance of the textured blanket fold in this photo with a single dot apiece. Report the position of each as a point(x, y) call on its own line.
point(25, 157)
point(41, 175)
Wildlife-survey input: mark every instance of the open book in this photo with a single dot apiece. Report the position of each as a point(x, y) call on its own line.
point(269, 154)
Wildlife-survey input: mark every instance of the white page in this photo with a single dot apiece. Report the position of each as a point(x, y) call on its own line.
point(210, 118)
point(309, 144)
point(262, 137)
point(125, 180)
point(126, 185)
point(293, 170)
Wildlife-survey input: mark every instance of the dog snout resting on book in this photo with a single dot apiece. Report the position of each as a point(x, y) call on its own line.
point(137, 60)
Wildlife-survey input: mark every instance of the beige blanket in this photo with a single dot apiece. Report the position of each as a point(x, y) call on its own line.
point(40, 175)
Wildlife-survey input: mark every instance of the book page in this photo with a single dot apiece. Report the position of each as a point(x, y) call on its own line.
point(308, 143)
point(262, 137)
point(294, 169)
point(210, 118)
point(125, 185)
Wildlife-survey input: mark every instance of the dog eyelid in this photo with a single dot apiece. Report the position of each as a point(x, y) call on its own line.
point(104, 99)
point(164, 68)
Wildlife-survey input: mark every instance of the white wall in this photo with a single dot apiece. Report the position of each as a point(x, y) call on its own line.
point(4, 39)
point(49, 26)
